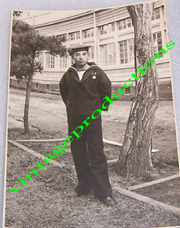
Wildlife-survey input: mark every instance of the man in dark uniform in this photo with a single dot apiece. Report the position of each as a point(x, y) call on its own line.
point(83, 88)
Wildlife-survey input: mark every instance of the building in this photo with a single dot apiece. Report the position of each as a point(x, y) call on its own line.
point(110, 34)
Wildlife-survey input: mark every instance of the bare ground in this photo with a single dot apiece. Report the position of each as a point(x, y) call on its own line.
point(48, 200)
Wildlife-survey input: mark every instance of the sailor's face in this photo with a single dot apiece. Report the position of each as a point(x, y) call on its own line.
point(81, 58)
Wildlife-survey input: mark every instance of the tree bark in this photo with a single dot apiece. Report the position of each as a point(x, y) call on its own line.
point(135, 154)
point(27, 100)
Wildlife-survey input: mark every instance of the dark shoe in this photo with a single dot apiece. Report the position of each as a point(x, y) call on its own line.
point(109, 201)
point(82, 191)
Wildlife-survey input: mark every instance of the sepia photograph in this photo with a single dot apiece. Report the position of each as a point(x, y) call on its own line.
point(92, 140)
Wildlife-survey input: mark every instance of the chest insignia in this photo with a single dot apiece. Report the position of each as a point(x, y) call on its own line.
point(94, 75)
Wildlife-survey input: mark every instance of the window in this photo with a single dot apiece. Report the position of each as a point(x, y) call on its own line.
point(74, 35)
point(108, 54)
point(126, 51)
point(62, 37)
point(41, 58)
point(36, 85)
point(50, 60)
point(156, 14)
point(91, 53)
point(77, 35)
point(37, 54)
point(157, 39)
point(47, 86)
point(123, 24)
point(105, 29)
point(61, 62)
point(47, 60)
point(127, 90)
point(129, 22)
point(88, 33)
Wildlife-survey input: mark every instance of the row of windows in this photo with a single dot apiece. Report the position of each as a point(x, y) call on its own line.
point(57, 61)
point(88, 33)
point(74, 35)
point(108, 28)
point(122, 24)
point(107, 53)
point(125, 50)
point(125, 23)
point(52, 61)
point(105, 29)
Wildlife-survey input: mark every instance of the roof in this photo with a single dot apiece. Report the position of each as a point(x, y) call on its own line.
point(46, 18)
point(63, 16)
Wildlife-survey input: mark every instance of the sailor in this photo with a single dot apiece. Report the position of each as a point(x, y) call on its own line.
point(83, 87)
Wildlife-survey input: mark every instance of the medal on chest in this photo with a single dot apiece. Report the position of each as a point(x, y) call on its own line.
point(94, 75)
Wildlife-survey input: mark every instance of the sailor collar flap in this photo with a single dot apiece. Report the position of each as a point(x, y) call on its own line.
point(85, 76)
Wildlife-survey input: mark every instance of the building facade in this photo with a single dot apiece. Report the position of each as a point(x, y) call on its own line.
point(110, 34)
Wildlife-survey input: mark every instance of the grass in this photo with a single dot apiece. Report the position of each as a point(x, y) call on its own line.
point(48, 200)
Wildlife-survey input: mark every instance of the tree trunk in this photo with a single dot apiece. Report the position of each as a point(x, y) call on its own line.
point(27, 101)
point(135, 154)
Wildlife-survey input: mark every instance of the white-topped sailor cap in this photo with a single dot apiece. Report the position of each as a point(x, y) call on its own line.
point(77, 48)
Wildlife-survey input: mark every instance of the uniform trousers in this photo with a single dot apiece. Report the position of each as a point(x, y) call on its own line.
point(89, 158)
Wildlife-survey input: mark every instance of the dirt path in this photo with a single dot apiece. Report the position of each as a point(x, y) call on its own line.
point(47, 112)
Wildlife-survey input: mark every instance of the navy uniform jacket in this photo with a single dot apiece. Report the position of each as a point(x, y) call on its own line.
point(85, 96)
